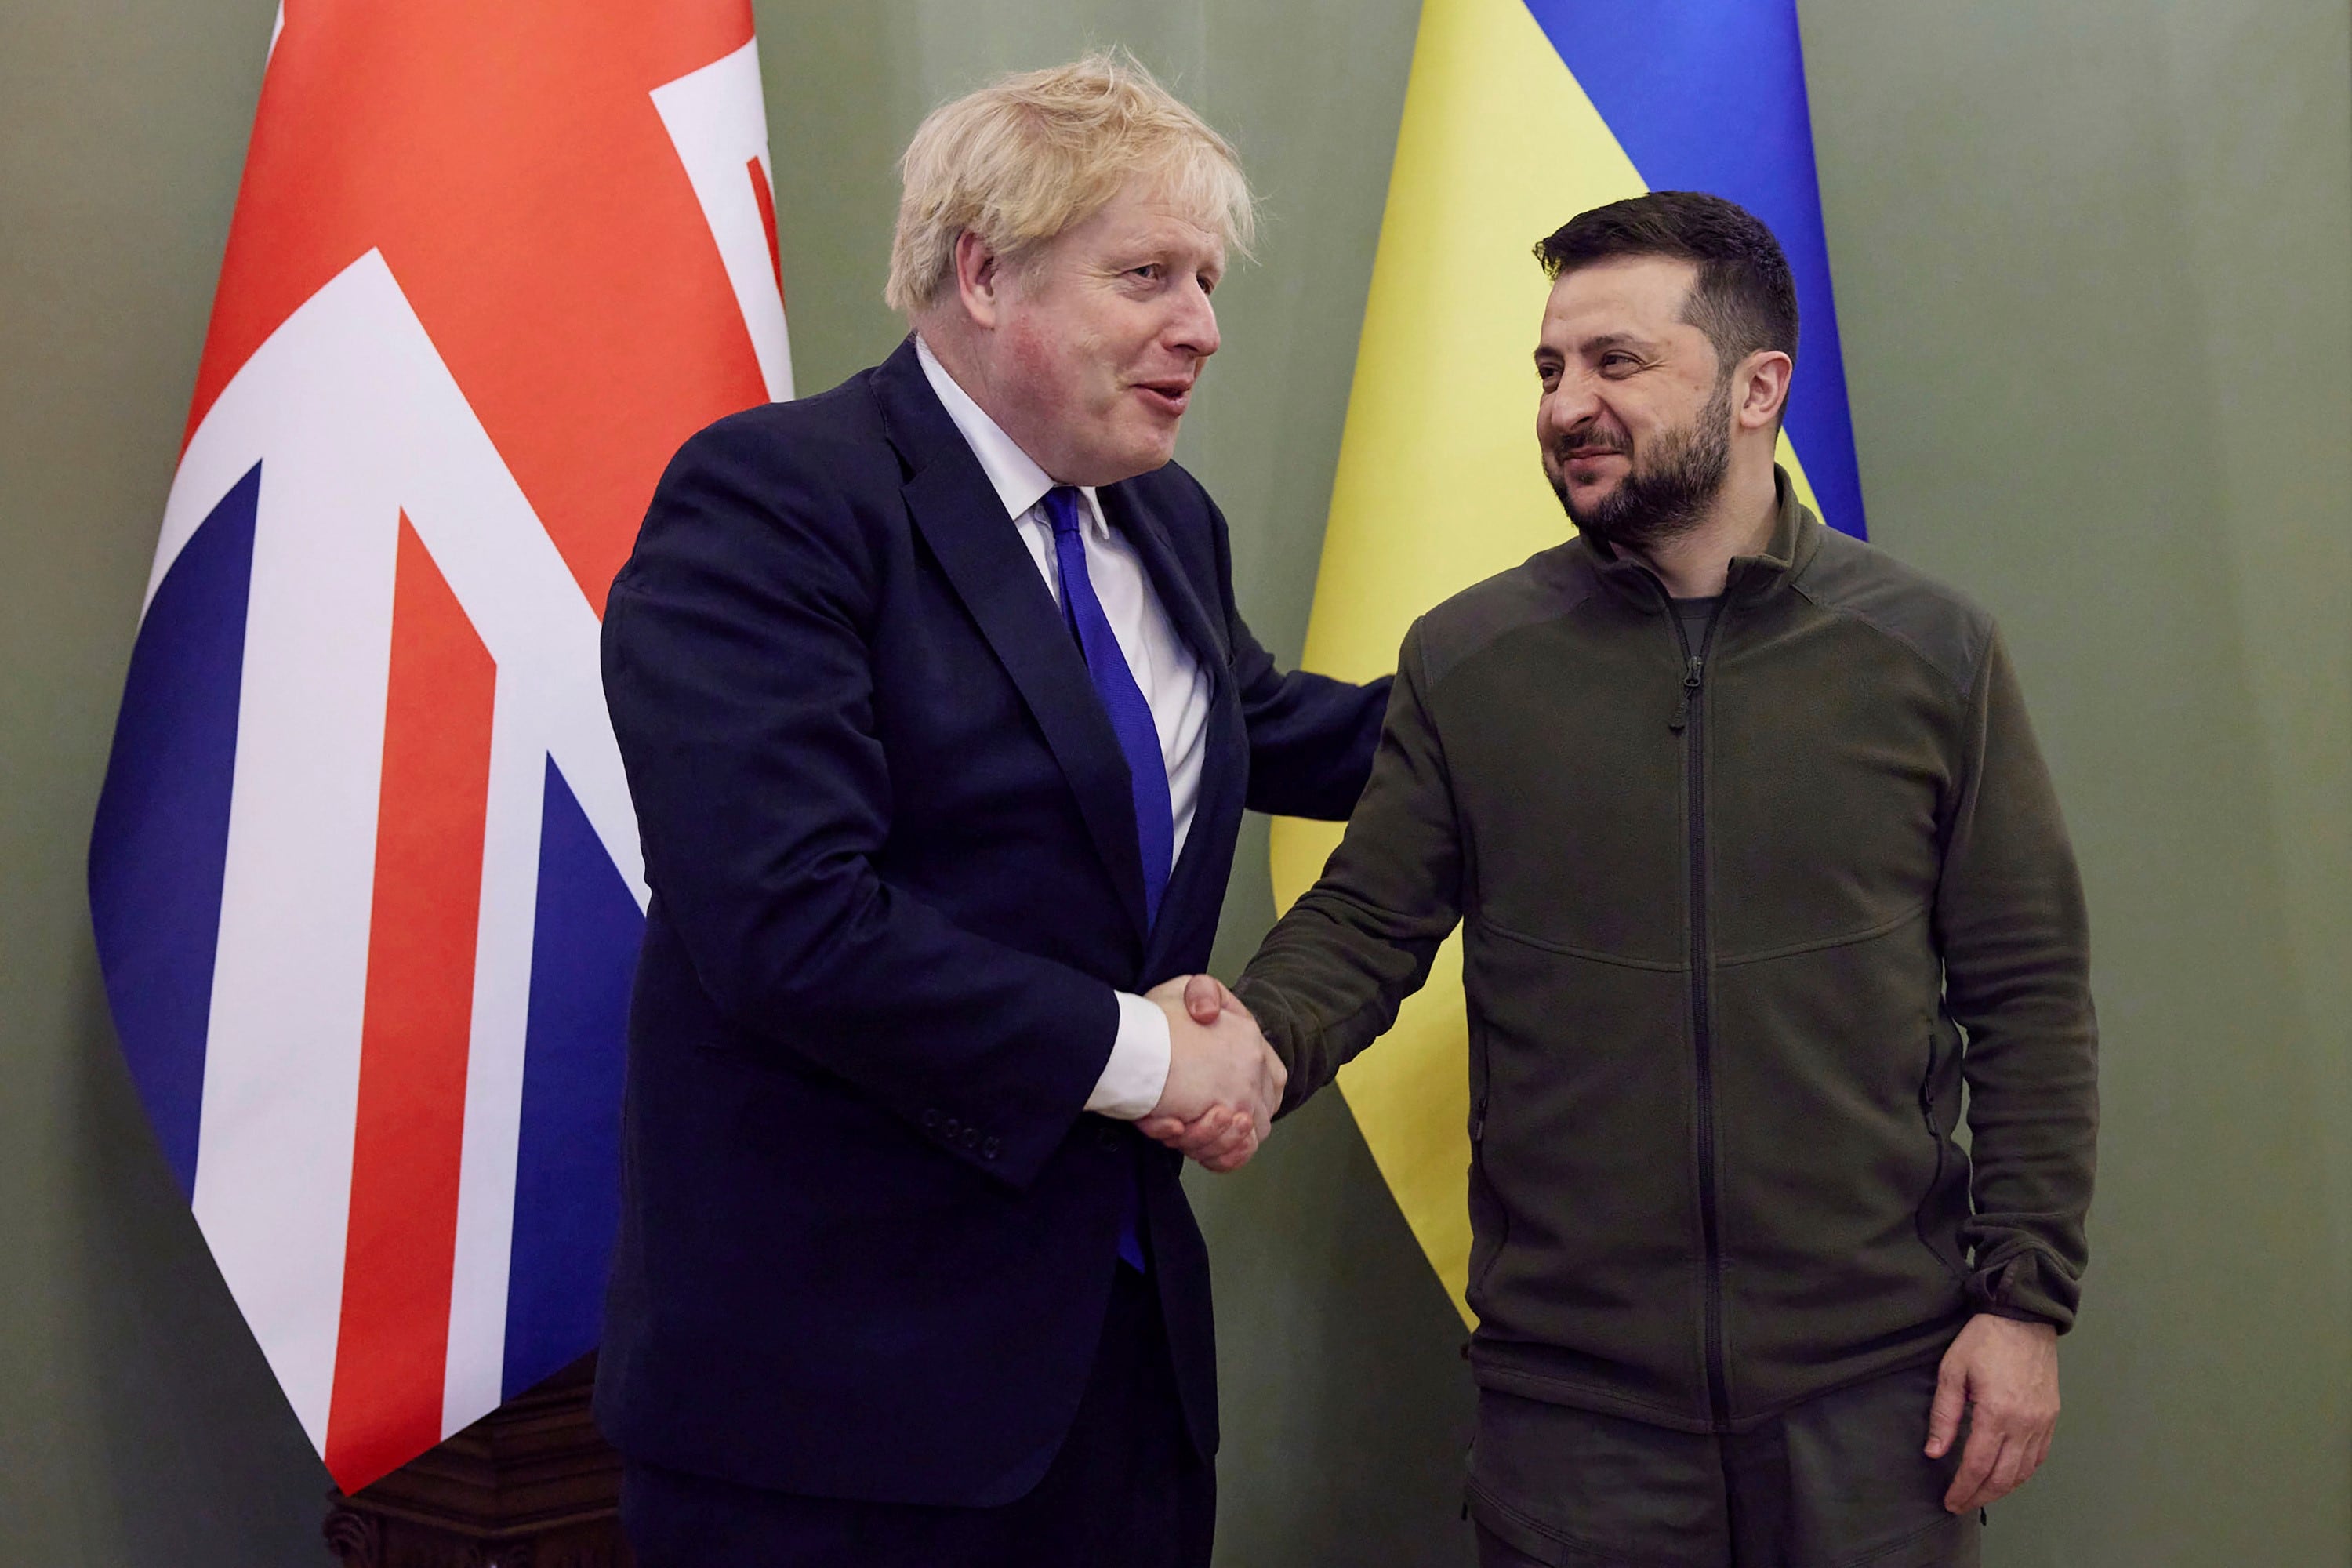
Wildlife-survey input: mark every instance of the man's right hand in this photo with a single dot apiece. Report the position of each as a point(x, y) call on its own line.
point(1223, 1082)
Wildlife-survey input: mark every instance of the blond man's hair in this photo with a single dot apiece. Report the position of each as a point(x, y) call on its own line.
point(1035, 154)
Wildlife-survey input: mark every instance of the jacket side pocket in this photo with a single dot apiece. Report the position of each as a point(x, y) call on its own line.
point(1924, 1217)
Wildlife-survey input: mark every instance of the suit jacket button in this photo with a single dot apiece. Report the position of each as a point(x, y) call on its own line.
point(987, 1150)
point(930, 1120)
point(950, 1127)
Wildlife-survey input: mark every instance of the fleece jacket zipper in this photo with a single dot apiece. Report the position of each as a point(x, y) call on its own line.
point(1689, 721)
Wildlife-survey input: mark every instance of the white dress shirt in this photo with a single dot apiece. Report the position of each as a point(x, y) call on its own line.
point(1171, 680)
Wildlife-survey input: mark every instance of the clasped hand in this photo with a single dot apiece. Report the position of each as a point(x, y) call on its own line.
point(1224, 1083)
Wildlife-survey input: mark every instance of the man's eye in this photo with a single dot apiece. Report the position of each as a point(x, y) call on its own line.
point(1618, 363)
point(1149, 271)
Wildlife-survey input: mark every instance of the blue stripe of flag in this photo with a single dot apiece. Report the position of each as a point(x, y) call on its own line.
point(1709, 95)
point(567, 1158)
point(159, 849)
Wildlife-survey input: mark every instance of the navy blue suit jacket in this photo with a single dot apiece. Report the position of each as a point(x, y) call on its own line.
point(868, 1230)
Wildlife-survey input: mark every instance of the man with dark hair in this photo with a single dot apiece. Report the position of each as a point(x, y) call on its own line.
point(1745, 298)
point(1740, 298)
point(1757, 865)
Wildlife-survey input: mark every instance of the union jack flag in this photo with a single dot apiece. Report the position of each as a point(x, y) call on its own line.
point(364, 875)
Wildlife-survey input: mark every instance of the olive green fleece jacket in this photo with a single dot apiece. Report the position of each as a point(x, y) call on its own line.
point(1739, 920)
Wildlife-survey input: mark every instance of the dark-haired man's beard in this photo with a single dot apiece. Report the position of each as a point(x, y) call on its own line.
point(1666, 489)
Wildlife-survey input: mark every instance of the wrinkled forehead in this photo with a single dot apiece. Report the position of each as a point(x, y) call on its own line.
point(1643, 295)
point(1177, 219)
point(1145, 219)
point(1183, 187)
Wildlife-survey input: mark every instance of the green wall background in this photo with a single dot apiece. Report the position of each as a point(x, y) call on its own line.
point(2094, 275)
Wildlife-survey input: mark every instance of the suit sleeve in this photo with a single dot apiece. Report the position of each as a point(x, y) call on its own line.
point(737, 670)
point(1333, 972)
point(2011, 923)
point(1311, 737)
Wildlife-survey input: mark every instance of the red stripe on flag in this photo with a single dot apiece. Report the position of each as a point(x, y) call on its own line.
point(767, 200)
point(399, 1256)
point(512, 168)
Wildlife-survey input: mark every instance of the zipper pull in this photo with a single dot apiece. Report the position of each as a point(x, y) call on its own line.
point(1691, 677)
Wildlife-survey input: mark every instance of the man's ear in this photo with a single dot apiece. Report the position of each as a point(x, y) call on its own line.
point(1763, 389)
point(981, 277)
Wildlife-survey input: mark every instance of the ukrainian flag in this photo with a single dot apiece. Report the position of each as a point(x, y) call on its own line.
point(1518, 115)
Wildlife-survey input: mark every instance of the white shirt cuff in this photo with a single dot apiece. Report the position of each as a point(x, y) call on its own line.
point(1136, 1073)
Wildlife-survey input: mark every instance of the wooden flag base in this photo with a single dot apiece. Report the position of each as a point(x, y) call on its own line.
point(530, 1485)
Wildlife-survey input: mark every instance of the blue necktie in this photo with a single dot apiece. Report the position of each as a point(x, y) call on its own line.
point(1139, 739)
point(1122, 699)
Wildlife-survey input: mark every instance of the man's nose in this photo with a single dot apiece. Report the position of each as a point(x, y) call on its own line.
point(1569, 404)
point(1194, 328)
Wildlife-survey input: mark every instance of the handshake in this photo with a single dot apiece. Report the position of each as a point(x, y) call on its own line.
point(1224, 1083)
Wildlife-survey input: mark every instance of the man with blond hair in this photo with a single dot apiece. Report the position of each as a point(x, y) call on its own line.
point(939, 720)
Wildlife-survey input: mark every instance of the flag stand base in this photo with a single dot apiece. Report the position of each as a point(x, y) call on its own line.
point(530, 1485)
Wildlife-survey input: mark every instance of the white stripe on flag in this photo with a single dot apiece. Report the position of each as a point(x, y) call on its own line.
point(494, 1066)
point(282, 1057)
point(719, 123)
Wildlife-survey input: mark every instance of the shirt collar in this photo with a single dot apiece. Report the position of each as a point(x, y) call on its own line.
point(1020, 483)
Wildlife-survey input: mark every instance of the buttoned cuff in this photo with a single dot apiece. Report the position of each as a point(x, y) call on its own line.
point(1136, 1074)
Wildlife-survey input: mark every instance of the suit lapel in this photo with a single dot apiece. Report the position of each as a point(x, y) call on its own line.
point(959, 515)
point(1128, 513)
point(1225, 759)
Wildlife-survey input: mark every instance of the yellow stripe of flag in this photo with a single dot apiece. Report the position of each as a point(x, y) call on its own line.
point(1439, 484)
